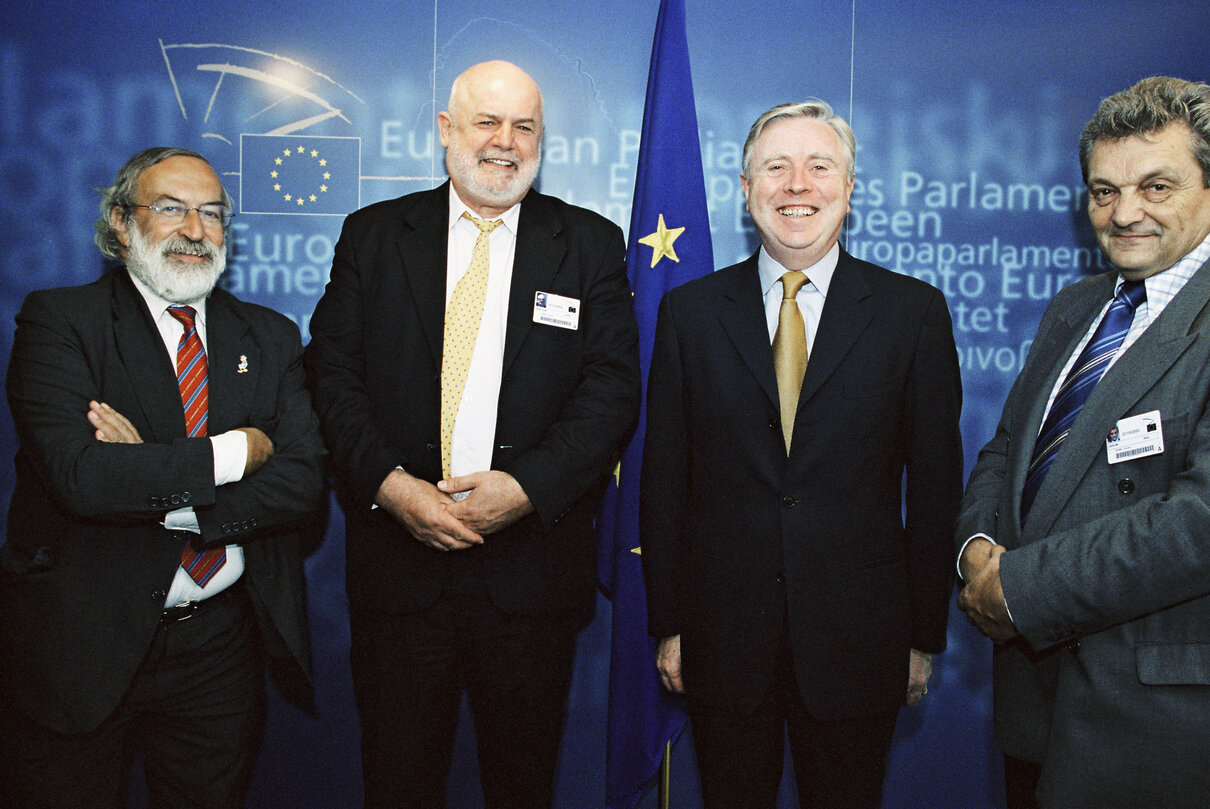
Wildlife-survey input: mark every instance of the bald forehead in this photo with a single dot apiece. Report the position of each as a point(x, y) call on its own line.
point(496, 84)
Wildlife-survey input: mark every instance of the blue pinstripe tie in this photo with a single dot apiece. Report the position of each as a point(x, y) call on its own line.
point(1081, 379)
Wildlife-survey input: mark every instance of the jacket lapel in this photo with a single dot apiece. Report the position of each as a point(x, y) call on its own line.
point(846, 314)
point(233, 363)
point(743, 318)
point(150, 370)
point(541, 246)
point(419, 286)
point(1136, 372)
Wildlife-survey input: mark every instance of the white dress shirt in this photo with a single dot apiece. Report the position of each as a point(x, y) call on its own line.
point(810, 296)
point(475, 426)
point(230, 456)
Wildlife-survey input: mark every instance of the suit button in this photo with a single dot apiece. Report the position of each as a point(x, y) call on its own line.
point(429, 445)
point(773, 425)
point(158, 595)
point(781, 578)
point(788, 501)
point(186, 497)
point(1125, 485)
point(1073, 646)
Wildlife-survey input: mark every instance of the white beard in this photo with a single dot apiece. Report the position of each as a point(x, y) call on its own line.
point(505, 192)
point(173, 280)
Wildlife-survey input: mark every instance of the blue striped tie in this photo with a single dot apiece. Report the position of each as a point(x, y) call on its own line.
point(1081, 379)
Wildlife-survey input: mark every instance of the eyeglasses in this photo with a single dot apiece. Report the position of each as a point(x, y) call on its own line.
point(214, 216)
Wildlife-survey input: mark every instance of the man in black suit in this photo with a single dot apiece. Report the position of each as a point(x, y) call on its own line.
point(785, 584)
point(472, 451)
point(167, 451)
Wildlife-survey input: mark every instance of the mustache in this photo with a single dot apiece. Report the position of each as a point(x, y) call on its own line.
point(189, 247)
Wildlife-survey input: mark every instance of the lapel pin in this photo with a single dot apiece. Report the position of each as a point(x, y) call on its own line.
point(242, 368)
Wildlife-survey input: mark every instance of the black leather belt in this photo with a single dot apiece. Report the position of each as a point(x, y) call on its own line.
point(185, 611)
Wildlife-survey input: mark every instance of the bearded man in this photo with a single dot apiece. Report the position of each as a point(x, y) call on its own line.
point(167, 456)
point(474, 363)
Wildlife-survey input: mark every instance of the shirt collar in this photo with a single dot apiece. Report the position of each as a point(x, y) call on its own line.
point(157, 305)
point(819, 273)
point(1164, 285)
point(457, 207)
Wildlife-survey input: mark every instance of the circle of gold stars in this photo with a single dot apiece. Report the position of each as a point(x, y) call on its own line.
point(297, 154)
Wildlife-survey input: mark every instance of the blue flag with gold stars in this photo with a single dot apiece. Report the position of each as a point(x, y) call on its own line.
point(669, 244)
point(299, 174)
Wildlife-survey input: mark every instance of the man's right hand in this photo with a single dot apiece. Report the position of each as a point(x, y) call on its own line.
point(422, 508)
point(260, 449)
point(668, 661)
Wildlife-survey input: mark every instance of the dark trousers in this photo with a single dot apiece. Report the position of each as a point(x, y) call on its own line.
point(195, 711)
point(1021, 783)
point(838, 764)
point(409, 673)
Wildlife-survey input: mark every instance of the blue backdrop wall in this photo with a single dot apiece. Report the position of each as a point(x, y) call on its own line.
point(966, 116)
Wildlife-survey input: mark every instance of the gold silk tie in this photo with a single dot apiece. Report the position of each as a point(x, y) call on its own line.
point(790, 352)
point(463, 314)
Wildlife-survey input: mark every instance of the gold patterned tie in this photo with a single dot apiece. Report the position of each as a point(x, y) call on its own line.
point(790, 352)
point(463, 314)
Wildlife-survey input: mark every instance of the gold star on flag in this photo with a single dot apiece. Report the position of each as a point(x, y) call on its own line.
point(323, 162)
point(288, 198)
point(314, 153)
point(301, 150)
point(639, 551)
point(323, 188)
point(661, 241)
point(300, 200)
point(273, 174)
point(277, 161)
point(327, 175)
point(277, 186)
point(313, 197)
point(285, 152)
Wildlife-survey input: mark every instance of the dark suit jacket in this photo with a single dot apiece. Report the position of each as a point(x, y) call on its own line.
point(738, 539)
point(1109, 580)
point(567, 398)
point(87, 565)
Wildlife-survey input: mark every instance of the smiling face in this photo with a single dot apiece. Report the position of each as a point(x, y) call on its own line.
point(179, 260)
point(1147, 200)
point(798, 187)
point(492, 134)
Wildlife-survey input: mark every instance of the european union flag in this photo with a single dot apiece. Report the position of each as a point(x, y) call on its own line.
point(299, 174)
point(669, 244)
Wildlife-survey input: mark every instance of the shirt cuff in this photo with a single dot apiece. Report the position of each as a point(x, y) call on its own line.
point(958, 562)
point(230, 456)
point(959, 565)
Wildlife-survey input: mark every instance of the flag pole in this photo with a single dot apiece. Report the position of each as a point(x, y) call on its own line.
point(666, 775)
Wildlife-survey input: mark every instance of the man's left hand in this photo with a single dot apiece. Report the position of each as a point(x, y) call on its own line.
point(496, 500)
point(982, 599)
point(111, 426)
point(920, 668)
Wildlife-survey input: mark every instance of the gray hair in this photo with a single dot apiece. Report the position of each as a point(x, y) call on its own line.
point(121, 194)
point(814, 109)
point(1149, 106)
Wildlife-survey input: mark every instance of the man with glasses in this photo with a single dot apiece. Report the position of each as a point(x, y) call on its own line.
point(167, 454)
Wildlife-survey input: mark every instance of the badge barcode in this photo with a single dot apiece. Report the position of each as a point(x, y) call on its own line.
point(1130, 453)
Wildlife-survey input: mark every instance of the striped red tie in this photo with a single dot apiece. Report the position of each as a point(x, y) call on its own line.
point(192, 379)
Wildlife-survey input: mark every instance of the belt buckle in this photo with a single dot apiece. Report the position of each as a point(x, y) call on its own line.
point(186, 610)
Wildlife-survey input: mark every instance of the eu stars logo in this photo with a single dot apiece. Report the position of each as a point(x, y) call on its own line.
point(299, 174)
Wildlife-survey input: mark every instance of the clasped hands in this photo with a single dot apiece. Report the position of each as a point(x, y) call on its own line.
point(982, 597)
point(495, 500)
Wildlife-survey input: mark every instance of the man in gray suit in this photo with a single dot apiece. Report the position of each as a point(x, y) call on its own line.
point(1087, 559)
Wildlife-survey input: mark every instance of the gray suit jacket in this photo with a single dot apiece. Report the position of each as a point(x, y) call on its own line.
point(1109, 579)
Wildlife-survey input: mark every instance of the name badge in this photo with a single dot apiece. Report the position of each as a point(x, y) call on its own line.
point(1135, 437)
point(556, 310)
